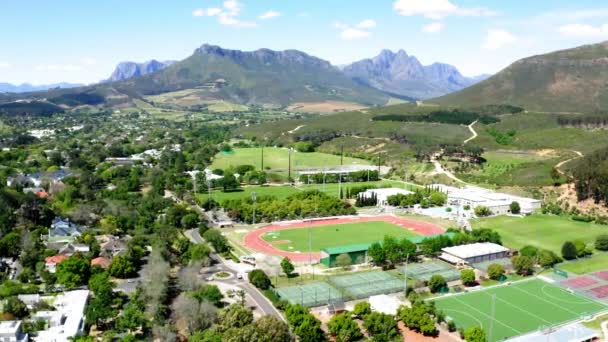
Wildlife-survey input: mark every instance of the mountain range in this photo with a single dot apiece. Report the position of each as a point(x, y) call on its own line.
point(399, 73)
point(26, 87)
point(572, 80)
point(125, 70)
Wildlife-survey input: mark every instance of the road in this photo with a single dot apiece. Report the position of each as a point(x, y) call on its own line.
point(472, 132)
point(562, 163)
point(220, 265)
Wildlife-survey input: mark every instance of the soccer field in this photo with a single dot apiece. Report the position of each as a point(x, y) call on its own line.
point(296, 239)
point(519, 308)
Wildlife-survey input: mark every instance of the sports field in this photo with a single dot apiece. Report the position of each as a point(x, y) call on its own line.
point(597, 262)
point(278, 158)
point(544, 231)
point(331, 235)
point(519, 308)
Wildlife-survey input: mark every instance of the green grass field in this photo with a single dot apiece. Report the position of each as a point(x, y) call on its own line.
point(278, 158)
point(335, 235)
point(597, 262)
point(542, 231)
point(519, 308)
point(283, 191)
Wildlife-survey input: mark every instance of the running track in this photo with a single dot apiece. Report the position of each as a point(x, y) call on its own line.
point(254, 241)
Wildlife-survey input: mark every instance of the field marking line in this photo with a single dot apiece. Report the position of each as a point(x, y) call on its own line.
point(519, 308)
point(464, 313)
point(546, 301)
point(484, 314)
point(584, 299)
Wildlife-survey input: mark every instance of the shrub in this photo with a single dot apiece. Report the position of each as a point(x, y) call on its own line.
point(515, 208)
point(437, 283)
point(467, 276)
point(601, 242)
point(259, 279)
point(569, 250)
point(496, 271)
point(362, 308)
point(482, 211)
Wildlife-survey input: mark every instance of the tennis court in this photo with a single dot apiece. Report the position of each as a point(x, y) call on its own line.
point(366, 284)
point(425, 270)
point(310, 295)
point(516, 309)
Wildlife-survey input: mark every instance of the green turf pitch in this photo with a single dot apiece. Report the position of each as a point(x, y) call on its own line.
point(519, 308)
point(334, 235)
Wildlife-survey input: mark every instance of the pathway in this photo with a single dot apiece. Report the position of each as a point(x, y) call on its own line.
point(562, 163)
point(472, 131)
point(295, 129)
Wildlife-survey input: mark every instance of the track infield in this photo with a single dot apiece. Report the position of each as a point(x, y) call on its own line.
point(332, 232)
point(519, 308)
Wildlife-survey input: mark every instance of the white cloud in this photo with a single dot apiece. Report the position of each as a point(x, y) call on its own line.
point(437, 9)
point(228, 14)
point(583, 31)
point(432, 27)
point(496, 39)
point(89, 61)
point(60, 67)
point(358, 31)
point(269, 15)
point(366, 24)
point(4, 65)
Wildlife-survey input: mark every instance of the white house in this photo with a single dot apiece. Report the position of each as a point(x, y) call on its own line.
point(10, 331)
point(383, 194)
point(67, 320)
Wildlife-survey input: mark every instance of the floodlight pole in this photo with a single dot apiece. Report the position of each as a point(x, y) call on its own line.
point(289, 166)
point(262, 168)
point(492, 315)
point(407, 258)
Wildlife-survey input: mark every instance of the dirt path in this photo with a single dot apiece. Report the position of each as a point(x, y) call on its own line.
point(295, 129)
point(472, 132)
point(562, 163)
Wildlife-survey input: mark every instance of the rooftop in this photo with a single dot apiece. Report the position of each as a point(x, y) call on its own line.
point(475, 249)
point(10, 327)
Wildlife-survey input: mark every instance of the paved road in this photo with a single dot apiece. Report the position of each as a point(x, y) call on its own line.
point(220, 265)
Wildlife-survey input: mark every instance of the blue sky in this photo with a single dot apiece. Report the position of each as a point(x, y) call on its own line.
point(47, 41)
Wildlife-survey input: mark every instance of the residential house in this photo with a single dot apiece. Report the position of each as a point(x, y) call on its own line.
point(101, 262)
point(64, 230)
point(67, 320)
point(113, 247)
point(10, 331)
point(51, 262)
point(71, 248)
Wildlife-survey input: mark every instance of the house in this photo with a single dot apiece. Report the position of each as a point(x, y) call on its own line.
point(67, 320)
point(113, 247)
point(10, 331)
point(70, 249)
point(30, 300)
point(51, 262)
point(64, 230)
point(101, 262)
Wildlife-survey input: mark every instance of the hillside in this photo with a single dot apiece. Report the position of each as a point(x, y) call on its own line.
point(572, 80)
point(399, 73)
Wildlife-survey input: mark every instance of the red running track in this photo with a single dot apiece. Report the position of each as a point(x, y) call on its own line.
point(254, 241)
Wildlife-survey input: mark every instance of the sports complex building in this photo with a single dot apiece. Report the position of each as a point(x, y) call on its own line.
point(474, 253)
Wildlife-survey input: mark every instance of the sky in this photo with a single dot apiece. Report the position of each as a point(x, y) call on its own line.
point(49, 41)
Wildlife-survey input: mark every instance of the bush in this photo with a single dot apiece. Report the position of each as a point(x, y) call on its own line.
point(515, 208)
point(522, 264)
point(437, 283)
point(569, 250)
point(547, 258)
point(474, 334)
point(496, 271)
point(482, 211)
point(601, 242)
point(467, 276)
point(529, 251)
point(259, 279)
point(362, 308)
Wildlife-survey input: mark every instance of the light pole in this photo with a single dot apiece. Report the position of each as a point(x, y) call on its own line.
point(492, 315)
point(253, 198)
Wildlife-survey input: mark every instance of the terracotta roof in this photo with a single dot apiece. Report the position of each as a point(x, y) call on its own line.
point(55, 259)
point(101, 261)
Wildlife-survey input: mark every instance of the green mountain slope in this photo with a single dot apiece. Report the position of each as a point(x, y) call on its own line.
point(573, 80)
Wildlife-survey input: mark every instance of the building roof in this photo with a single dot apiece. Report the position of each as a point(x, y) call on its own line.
point(64, 227)
point(10, 327)
point(70, 305)
point(474, 249)
point(570, 333)
point(102, 262)
point(55, 259)
point(388, 191)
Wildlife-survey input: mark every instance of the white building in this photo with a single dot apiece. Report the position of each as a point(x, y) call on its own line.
point(384, 304)
point(498, 203)
point(10, 331)
point(473, 253)
point(67, 320)
point(383, 194)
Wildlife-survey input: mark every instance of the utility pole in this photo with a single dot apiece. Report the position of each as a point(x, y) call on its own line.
point(262, 168)
point(492, 315)
point(341, 154)
point(253, 197)
point(407, 258)
point(289, 167)
point(379, 164)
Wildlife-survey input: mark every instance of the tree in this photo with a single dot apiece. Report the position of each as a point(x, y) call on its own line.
point(270, 329)
point(132, 317)
point(475, 334)
point(234, 316)
point(189, 221)
point(309, 330)
point(601, 242)
point(529, 251)
point(155, 281)
point(343, 260)
point(122, 267)
point(514, 207)
point(16, 307)
point(376, 253)
point(99, 310)
point(217, 240)
point(381, 326)
point(198, 252)
point(581, 248)
point(522, 264)
point(10, 245)
point(547, 258)
point(344, 328)
point(437, 283)
point(418, 318)
point(210, 293)
point(482, 211)
point(496, 271)
point(259, 279)
point(191, 314)
point(568, 250)
point(229, 183)
point(362, 308)
point(287, 266)
point(73, 271)
point(467, 276)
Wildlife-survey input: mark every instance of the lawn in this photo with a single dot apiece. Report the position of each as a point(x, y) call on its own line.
point(283, 191)
point(597, 262)
point(542, 231)
point(519, 308)
point(334, 235)
point(278, 158)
